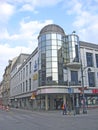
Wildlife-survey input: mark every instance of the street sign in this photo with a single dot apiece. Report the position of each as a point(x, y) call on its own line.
point(70, 90)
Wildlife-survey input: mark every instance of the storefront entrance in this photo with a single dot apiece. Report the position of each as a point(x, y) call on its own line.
point(58, 102)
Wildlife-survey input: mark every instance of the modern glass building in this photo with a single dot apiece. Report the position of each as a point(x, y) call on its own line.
point(50, 55)
point(52, 74)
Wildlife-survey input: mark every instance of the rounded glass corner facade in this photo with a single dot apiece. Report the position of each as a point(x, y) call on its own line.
point(50, 60)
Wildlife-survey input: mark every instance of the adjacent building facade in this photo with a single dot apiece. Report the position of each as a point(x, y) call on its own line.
point(61, 69)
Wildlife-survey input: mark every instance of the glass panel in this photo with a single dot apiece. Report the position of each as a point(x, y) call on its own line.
point(48, 70)
point(43, 43)
point(59, 47)
point(74, 77)
point(54, 58)
point(72, 37)
point(91, 79)
point(54, 43)
point(76, 38)
point(54, 64)
point(54, 70)
point(48, 59)
point(59, 37)
point(96, 60)
point(54, 76)
point(48, 43)
point(48, 47)
point(54, 52)
point(48, 36)
point(49, 79)
point(53, 36)
point(39, 66)
point(73, 44)
point(43, 50)
point(43, 37)
point(48, 74)
point(89, 57)
point(54, 47)
point(48, 53)
point(48, 65)
point(69, 38)
point(59, 43)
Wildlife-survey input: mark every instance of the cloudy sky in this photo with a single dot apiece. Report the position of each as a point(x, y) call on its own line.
point(22, 20)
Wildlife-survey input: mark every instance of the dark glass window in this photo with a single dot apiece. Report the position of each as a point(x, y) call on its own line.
point(30, 67)
point(77, 53)
point(26, 85)
point(89, 57)
point(30, 84)
point(23, 86)
point(43, 38)
point(91, 79)
point(74, 77)
point(97, 60)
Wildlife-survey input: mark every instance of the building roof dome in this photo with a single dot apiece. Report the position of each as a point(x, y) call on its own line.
point(52, 28)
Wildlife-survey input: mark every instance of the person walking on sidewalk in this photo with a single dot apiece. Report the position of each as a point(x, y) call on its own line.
point(64, 109)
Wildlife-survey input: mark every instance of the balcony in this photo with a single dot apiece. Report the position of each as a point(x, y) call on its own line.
point(72, 83)
point(76, 65)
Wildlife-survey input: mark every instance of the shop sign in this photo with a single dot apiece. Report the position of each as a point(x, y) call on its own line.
point(33, 96)
point(70, 90)
point(95, 91)
point(35, 76)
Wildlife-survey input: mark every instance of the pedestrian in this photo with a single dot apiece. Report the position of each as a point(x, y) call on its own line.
point(64, 109)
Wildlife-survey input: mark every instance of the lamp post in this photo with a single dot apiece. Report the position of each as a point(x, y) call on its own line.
point(83, 94)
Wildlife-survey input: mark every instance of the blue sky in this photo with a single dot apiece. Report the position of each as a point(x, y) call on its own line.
point(22, 20)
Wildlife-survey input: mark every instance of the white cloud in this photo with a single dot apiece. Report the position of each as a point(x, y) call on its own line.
point(85, 18)
point(8, 53)
point(30, 5)
point(6, 11)
point(28, 34)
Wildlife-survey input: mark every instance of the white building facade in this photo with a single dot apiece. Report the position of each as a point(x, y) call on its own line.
point(51, 75)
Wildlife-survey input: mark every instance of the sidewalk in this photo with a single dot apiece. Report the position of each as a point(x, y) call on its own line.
point(72, 113)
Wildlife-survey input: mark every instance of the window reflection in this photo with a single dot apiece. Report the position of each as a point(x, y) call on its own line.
point(48, 70)
point(48, 59)
point(43, 43)
point(54, 52)
point(48, 36)
point(54, 58)
point(48, 53)
point(49, 75)
point(48, 65)
point(54, 65)
point(48, 48)
point(54, 70)
point(59, 37)
point(43, 37)
point(48, 43)
point(54, 76)
point(54, 47)
point(59, 43)
point(53, 36)
point(54, 43)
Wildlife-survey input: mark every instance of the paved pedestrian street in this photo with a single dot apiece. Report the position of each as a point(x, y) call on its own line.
point(17, 119)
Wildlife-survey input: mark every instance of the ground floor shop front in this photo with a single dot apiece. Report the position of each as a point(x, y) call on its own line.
point(44, 100)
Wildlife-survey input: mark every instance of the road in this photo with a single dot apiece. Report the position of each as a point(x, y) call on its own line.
point(17, 119)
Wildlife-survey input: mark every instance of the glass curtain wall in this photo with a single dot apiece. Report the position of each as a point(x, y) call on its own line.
point(71, 48)
point(50, 59)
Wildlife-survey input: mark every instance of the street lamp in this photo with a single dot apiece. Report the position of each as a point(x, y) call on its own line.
point(83, 94)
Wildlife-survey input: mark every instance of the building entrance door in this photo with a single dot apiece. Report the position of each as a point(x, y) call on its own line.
point(58, 103)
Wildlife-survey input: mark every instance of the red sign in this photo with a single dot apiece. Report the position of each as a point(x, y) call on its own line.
point(95, 91)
